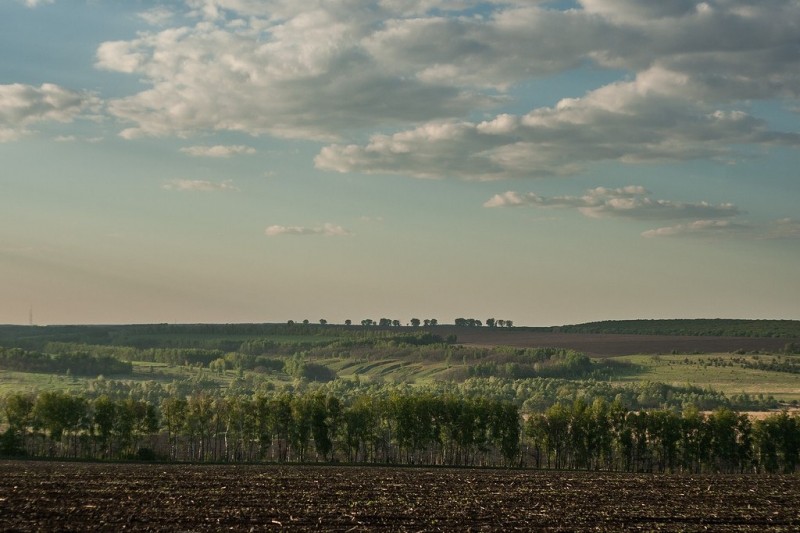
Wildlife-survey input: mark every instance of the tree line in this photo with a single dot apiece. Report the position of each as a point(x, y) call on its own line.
point(399, 428)
point(76, 362)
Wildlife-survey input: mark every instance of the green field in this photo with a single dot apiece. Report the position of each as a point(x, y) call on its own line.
point(721, 372)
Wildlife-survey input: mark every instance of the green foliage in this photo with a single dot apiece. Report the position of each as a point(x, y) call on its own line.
point(399, 426)
point(299, 368)
point(74, 362)
point(513, 363)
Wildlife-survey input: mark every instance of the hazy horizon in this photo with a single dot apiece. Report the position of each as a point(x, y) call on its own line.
point(550, 163)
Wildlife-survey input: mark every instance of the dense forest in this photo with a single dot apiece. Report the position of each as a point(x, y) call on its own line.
point(411, 429)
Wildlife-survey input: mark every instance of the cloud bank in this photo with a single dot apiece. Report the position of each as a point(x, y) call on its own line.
point(633, 202)
point(627, 202)
point(412, 71)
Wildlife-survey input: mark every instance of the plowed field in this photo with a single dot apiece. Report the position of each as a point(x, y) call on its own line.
point(40, 496)
point(602, 344)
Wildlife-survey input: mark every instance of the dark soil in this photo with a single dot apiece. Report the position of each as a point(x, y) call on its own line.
point(604, 344)
point(42, 496)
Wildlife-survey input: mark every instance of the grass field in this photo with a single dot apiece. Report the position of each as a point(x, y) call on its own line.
point(34, 382)
point(717, 371)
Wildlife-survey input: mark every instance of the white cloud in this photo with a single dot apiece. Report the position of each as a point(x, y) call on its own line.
point(626, 202)
point(306, 76)
point(328, 70)
point(218, 150)
point(511, 199)
point(699, 228)
point(327, 229)
point(22, 106)
point(157, 16)
point(647, 119)
point(199, 186)
point(511, 44)
point(634, 203)
point(782, 229)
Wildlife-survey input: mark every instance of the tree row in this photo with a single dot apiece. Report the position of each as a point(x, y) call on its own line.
point(399, 428)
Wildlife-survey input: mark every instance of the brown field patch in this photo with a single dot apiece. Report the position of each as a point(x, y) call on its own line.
point(44, 496)
point(600, 344)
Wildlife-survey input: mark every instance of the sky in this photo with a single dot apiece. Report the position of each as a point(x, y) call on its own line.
point(264, 160)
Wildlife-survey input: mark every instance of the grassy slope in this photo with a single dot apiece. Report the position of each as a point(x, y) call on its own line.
point(706, 371)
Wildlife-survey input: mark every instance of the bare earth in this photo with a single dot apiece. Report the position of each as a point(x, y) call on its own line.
point(609, 344)
point(43, 496)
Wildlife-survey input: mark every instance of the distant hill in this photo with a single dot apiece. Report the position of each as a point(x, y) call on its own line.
point(719, 327)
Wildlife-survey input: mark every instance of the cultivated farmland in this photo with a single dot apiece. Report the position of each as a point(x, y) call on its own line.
point(610, 344)
point(43, 496)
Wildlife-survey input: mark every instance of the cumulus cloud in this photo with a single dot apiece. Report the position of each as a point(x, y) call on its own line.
point(626, 202)
point(22, 106)
point(186, 185)
point(646, 119)
point(327, 229)
point(411, 71)
point(329, 69)
point(218, 151)
point(305, 76)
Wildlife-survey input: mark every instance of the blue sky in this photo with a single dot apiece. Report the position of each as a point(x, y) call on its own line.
point(256, 161)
